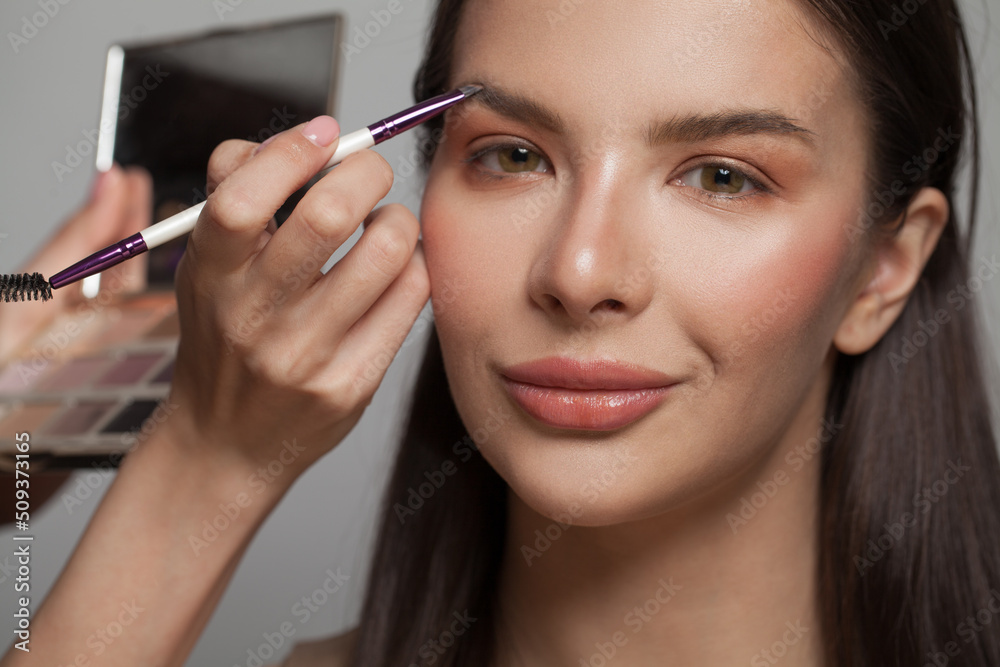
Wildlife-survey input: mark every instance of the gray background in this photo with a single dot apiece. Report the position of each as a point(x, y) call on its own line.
point(51, 95)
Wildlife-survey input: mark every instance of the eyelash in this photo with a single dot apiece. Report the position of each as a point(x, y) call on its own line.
point(760, 188)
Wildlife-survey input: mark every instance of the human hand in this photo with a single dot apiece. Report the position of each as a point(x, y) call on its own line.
point(272, 350)
point(120, 205)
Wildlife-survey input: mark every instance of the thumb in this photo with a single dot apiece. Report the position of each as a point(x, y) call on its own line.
point(86, 231)
point(133, 214)
point(105, 214)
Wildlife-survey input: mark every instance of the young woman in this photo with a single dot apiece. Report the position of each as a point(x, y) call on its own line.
point(703, 378)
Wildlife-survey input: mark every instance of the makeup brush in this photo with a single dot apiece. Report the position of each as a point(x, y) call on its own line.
point(25, 287)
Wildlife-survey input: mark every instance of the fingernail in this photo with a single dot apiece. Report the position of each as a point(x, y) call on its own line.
point(321, 130)
point(265, 143)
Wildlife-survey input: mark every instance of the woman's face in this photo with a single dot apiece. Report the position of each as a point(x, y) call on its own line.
point(687, 203)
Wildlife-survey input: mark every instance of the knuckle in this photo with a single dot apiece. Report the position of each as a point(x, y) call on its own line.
point(228, 155)
point(328, 214)
point(379, 214)
point(344, 395)
point(294, 373)
point(418, 283)
point(232, 208)
point(264, 370)
point(398, 211)
point(388, 248)
point(281, 366)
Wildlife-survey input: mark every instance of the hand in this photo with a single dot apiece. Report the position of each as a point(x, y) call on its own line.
point(120, 205)
point(272, 351)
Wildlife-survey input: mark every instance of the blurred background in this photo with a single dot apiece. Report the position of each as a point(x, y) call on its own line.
point(52, 85)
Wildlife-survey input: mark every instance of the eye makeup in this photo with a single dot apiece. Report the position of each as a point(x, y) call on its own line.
point(504, 159)
point(84, 388)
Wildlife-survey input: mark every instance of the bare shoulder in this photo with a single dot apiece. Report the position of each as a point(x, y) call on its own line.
point(329, 651)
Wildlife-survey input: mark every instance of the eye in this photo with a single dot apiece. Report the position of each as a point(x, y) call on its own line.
point(723, 182)
point(503, 159)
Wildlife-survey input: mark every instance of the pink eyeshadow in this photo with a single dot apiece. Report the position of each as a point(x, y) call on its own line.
point(74, 374)
point(79, 419)
point(129, 370)
point(165, 375)
point(28, 417)
point(19, 376)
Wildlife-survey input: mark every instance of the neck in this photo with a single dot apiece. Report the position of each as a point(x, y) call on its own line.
point(728, 578)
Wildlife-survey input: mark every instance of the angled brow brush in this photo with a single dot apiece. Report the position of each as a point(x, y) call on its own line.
point(33, 286)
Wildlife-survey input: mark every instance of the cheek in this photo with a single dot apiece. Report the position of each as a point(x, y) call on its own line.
point(477, 263)
point(474, 292)
point(464, 267)
point(454, 264)
point(768, 303)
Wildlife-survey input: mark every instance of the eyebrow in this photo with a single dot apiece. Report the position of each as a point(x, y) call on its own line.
point(739, 122)
point(517, 107)
point(688, 128)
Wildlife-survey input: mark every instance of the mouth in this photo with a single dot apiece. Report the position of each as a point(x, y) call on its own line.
point(600, 395)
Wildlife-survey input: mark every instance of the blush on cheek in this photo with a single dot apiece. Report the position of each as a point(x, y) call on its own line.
point(776, 296)
point(442, 248)
point(461, 298)
point(476, 258)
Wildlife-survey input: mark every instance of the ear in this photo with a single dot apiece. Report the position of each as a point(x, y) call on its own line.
point(897, 264)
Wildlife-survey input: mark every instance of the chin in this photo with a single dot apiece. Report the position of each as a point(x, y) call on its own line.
point(580, 480)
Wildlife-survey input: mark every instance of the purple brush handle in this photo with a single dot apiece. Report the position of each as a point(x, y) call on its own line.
point(101, 260)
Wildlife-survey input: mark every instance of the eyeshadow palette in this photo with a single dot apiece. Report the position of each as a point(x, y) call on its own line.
point(85, 386)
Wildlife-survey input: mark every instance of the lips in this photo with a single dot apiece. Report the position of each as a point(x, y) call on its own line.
point(599, 395)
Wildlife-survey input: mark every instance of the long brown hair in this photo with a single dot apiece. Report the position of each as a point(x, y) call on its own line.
point(910, 515)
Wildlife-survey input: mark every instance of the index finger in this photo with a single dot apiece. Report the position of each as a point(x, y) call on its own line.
point(241, 206)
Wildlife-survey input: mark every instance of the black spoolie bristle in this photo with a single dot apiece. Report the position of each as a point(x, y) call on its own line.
point(24, 287)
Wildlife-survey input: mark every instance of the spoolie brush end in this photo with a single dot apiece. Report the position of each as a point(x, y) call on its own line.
point(24, 287)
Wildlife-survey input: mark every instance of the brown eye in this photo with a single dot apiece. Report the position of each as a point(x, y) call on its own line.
point(723, 182)
point(501, 159)
point(516, 158)
point(722, 179)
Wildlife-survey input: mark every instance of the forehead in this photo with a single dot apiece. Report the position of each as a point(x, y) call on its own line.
point(624, 63)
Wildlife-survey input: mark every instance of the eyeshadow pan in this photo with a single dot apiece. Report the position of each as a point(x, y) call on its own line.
point(130, 417)
point(74, 374)
point(19, 376)
point(80, 418)
point(166, 374)
point(129, 370)
point(27, 417)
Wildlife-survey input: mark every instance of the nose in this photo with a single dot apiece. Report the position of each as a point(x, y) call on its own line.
point(593, 264)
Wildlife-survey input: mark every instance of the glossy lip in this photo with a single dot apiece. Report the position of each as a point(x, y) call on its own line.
point(597, 395)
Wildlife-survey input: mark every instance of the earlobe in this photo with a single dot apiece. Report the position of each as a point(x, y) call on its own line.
point(894, 270)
